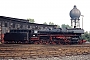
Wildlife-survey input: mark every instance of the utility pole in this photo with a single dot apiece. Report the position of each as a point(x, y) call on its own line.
point(82, 20)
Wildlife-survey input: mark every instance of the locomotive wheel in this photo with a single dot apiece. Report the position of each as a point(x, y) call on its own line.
point(47, 42)
point(44, 42)
point(19, 42)
point(13, 42)
point(36, 42)
point(26, 42)
point(40, 42)
point(58, 42)
point(67, 42)
point(53, 43)
point(80, 42)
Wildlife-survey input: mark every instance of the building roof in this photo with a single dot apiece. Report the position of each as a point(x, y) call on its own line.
point(23, 21)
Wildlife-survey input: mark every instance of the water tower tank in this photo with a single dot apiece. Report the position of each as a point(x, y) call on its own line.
point(75, 13)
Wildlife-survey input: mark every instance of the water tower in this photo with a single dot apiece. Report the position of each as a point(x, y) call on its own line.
point(75, 15)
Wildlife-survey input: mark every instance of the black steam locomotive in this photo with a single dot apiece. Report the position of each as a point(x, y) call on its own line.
point(45, 36)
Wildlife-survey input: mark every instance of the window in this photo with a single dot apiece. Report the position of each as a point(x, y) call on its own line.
point(6, 25)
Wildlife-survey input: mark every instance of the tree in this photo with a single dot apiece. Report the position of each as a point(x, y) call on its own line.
point(31, 20)
point(45, 23)
point(65, 26)
point(51, 23)
point(86, 36)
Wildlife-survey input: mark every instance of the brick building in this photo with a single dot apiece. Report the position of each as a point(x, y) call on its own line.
point(7, 23)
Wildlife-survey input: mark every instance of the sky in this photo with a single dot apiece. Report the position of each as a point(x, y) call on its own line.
point(56, 11)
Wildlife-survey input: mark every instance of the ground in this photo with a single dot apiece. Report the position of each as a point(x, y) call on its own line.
point(25, 51)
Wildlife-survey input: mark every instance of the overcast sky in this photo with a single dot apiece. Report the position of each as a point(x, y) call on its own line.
point(56, 11)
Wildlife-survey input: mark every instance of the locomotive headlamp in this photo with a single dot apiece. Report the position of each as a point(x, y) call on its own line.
point(33, 35)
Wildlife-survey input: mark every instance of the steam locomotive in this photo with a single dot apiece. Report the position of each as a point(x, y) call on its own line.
point(45, 36)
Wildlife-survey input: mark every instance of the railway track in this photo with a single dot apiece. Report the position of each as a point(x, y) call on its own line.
point(34, 51)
